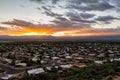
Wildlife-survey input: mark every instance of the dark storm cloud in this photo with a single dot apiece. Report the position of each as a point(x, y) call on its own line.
point(45, 8)
point(83, 1)
point(88, 1)
point(73, 20)
point(116, 2)
point(43, 1)
point(89, 5)
point(65, 23)
point(69, 19)
point(70, 24)
point(80, 17)
point(36, 0)
point(86, 15)
point(71, 1)
point(99, 5)
point(52, 14)
point(49, 12)
point(80, 5)
point(18, 23)
point(106, 18)
point(54, 1)
point(102, 6)
point(61, 18)
point(26, 24)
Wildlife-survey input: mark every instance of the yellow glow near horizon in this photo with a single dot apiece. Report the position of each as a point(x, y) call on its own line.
point(46, 32)
point(35, 33)
point(27, 34)
point(60, 34)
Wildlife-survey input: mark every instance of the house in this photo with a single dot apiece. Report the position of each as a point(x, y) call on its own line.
point(91, 56)
point(68, 57)
point(101, 55)
point(111, 55)
point(35, 59)
point(21, 64)
point(17, 61)
point(66, 66)
point(75, 54)
point(7, 77)
point(55, 58)
point(43, 61)
point(110, 51)
point(36, 71)
point(8, 60)
point(117, 59)
point(79, 65)
point(48, 68)
point(99, 62)
point(78, 58)
point(56, 67)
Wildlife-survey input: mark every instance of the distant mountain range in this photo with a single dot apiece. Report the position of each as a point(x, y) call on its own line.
point(53, 38)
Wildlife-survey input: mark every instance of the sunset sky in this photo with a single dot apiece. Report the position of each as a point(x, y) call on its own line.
point(60, 17)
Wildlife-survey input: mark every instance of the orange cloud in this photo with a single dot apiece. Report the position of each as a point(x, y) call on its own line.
point(75, 32)
point(27, 28)
point(84, 32)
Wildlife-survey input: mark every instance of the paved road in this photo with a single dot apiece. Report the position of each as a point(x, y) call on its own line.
point(9, 70)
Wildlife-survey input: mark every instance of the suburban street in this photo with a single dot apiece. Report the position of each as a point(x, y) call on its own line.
point(9, 70)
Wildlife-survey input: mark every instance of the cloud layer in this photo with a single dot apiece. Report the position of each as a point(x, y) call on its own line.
point(70, 17)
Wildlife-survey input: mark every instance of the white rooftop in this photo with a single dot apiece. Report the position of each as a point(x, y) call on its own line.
point(66, 66)
point(6, 77)
point(35, 71)
point(21, 64)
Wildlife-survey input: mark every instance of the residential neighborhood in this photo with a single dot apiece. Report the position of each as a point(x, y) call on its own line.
point(20, 59)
